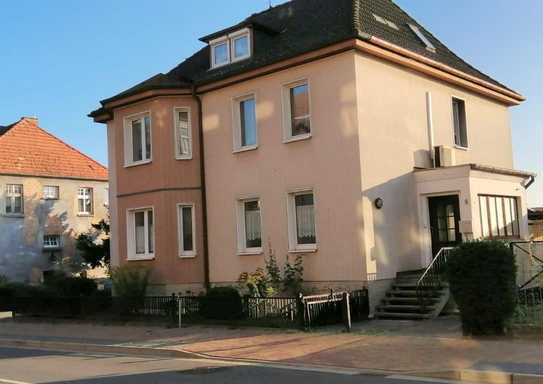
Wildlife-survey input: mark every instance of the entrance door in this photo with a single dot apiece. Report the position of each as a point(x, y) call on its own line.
point(444, 222)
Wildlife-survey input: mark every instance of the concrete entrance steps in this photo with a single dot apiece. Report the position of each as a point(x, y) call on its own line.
point(402, 301)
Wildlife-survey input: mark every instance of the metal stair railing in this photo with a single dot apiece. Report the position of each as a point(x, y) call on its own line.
point(432, 278)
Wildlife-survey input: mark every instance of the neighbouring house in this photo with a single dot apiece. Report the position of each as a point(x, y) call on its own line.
point(535, 223)
point(340, 130)
point(49, 193)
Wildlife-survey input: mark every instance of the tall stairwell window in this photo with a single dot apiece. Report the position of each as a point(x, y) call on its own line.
point(459, 121)
point(183, 134)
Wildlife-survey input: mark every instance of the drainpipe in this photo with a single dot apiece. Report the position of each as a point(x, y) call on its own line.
point(531, 180)
point(196, 97)
point(430, 125)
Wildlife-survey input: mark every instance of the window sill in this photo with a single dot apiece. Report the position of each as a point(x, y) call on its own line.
point(140, 258)
point(304, 250)
point(183, 157)
point(245, 149)
point(250, 252)
point(461, 148)
point(297, 138)
point(79, 214)
point(14, 215)
point(130, 165)
point(187, 255)
point(47, 249)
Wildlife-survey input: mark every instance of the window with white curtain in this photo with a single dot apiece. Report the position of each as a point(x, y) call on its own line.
point(499, 216)
point(85, 201)
point(186, 228)
point(137, 137)
point(249, 226)
point(140, 234)
point(302, 229)
point(14, 199)
point(183, 133)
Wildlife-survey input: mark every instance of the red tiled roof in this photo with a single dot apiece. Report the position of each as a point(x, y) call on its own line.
point(27, 149)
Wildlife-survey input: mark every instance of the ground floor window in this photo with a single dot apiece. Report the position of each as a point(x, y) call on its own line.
point(302, 232)
point(499, 216)
point(51, 241)
point(186, 226)
point(249, 226)
point(141, 236)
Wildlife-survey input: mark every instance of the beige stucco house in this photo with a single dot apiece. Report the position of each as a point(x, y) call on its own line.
point(49, 193)
point(339, 130)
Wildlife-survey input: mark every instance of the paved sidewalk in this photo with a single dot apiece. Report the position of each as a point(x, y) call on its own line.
point(401, 347)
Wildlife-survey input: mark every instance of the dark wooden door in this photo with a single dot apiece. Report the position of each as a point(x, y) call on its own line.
point(444, 222)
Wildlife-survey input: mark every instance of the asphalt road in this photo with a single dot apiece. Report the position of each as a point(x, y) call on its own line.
point(25, 366)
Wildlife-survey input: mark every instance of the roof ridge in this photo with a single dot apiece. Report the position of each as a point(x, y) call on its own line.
point(65, 144)
point(426, 30)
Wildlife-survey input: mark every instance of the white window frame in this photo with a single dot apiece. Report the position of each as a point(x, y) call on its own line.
point(236, 123)
point(47, 196)
point(213, 44)
point(181, 156)
point(180, 230)
point(13, 196)
point(229, 41)
point(286, 106)
point(242, 248)
point(235, 36)
point(458, 146)
point(128, 145)
point(131, 254)
point(48, 244)
point(294, 247)
point(83, 196)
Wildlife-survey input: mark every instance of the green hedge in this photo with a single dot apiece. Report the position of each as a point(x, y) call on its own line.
point(222, 303)
point(482, 281)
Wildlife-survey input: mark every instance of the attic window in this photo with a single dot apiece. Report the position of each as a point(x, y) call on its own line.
point(230, 48)
point(384, 21)
point(424, 39)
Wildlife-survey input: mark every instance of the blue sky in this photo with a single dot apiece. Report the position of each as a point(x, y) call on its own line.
point(58, 58)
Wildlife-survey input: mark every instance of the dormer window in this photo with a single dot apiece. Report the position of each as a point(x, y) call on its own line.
point(231, 48)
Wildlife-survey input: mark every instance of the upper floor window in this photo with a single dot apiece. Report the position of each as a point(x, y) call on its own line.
point(84, 201)
point(137, 139)
point(141, 234)
point(14, 199)
point(245, 134)
point(230, 48)
point(297, 114)
point(183, 133)
point(50, 192)
point(459, 121)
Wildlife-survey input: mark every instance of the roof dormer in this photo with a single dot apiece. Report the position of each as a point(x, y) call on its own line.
point(230, 48)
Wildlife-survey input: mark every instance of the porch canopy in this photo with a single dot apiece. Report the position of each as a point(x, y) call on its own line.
point(491, 203)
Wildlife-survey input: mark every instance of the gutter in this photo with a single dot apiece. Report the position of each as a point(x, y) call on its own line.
point(196, 97)
point(531, 180)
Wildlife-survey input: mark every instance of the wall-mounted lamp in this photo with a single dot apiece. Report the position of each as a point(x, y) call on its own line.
point(378, 203)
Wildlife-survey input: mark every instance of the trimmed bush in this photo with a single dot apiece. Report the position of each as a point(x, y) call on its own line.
point(72, 286)
point(482, 278)
point(222, 303)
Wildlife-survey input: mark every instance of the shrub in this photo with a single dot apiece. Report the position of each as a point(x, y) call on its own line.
point(222, 303)
point(71, 286)
point(3, 280)
point(130, 286)
point(482, 281)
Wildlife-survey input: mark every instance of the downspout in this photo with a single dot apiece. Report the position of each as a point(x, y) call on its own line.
point(430, 125)
point(196, 97)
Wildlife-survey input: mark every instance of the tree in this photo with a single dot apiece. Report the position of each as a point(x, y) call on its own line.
point(94, 245)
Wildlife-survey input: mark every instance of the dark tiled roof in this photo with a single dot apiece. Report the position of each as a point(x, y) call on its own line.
point(302, 26)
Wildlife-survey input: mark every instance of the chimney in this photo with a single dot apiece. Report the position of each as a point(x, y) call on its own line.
point(30, 119)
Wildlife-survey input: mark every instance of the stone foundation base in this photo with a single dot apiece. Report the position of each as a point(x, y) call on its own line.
point(377, 290)
point(191, 289)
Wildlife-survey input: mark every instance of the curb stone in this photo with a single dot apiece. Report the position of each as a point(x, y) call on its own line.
point(483, 377)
